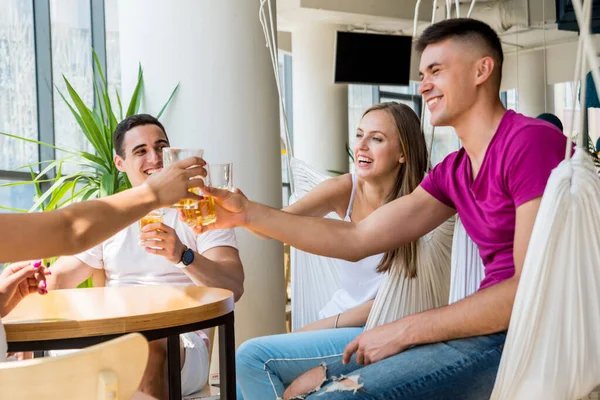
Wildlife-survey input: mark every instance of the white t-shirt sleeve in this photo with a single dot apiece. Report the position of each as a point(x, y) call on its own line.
point(216, 238)
point(93, 257)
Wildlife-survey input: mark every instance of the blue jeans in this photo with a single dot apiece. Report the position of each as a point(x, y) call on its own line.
point(267, 365)
point(462, 369)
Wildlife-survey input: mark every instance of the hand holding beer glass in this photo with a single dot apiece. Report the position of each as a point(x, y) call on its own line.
point(195, 212)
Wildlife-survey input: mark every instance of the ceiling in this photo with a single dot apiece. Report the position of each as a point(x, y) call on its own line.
point(397, 17)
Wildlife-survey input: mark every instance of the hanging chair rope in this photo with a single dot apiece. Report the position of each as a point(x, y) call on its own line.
point(268, 27)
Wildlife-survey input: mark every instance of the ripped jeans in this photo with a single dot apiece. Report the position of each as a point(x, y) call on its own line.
point(462, 369)
point(265, 366)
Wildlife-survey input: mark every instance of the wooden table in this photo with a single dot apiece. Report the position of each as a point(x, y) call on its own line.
point(77, 318)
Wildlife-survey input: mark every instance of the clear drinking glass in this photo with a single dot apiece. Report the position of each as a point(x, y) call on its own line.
point(221, 176)
point(195, 212)
point(152, 217)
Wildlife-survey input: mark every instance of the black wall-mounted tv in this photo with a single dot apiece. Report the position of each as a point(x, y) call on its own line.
point(565, 16)
point(373, 59)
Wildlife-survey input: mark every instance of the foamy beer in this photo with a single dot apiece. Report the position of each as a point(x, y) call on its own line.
point(196, 212)
point(151, 218)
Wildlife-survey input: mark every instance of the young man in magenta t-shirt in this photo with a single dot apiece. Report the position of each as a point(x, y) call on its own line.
point(494, 183)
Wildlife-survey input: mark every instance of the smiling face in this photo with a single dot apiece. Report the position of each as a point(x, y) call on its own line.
point(449, 82)
point(377, 146)
point(142, 153)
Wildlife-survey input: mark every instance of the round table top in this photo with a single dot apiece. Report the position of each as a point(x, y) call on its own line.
point(75, 313)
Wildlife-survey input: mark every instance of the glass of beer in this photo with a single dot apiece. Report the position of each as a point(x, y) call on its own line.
point(221, 176)
point(152, 217)
point(196, 212)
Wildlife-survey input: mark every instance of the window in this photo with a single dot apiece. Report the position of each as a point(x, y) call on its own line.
point(71, 58)
point(567, 111)
point(445, 140)
point(113, 55)
point(285, 82)
point(26, 55)
point(19, 197)
point(18, 109)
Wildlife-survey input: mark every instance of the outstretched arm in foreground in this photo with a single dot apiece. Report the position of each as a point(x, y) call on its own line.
point(80, 226)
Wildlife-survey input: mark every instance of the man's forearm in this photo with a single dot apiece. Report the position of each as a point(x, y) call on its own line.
point(485, 312)
point(334, 237)
point(74, 228)
point(390, 226)
point(220, 274)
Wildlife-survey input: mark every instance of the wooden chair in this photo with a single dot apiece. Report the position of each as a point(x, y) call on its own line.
point(111, 370)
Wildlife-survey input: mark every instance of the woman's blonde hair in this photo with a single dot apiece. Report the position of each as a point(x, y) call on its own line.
point(410, 175)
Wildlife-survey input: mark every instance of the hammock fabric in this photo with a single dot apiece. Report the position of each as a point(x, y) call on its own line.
point(467, 266)
point(314, 279)
point(399, 296)
point(552, 347)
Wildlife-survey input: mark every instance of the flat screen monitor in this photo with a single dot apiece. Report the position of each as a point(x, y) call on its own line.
point(374, 59)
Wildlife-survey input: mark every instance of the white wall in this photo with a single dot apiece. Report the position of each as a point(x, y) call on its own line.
point(227, 104)
point(320, 106)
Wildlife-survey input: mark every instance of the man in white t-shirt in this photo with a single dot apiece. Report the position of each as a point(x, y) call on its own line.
point(181, 257)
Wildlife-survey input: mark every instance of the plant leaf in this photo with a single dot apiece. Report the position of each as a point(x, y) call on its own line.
point(91, 131)
point(79, 119)
point(136, 97)
point(160, 113)
point(36, 142)
point(48, 192)
point(89, 194)
point(22, 183)
point(58, 194)
point(120, 106)
point(99, 67)
point(20, 210)
point(99, 163)
point(107, 185)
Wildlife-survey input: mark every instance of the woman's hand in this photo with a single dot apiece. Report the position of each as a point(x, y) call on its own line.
point(18, 280)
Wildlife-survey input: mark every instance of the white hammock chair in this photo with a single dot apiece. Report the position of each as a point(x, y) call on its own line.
point(553, 348)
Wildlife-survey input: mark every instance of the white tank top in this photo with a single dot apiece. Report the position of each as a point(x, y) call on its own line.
point(359, 280)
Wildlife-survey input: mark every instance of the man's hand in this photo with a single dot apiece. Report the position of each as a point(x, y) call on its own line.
point(172, 183)
point(19, 280)
point(376, 344)
point(231, 209)
point(162, 240)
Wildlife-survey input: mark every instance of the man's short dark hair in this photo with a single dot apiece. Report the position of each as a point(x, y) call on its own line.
point(553, 119)
point(128, 124)
point(464, 28)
